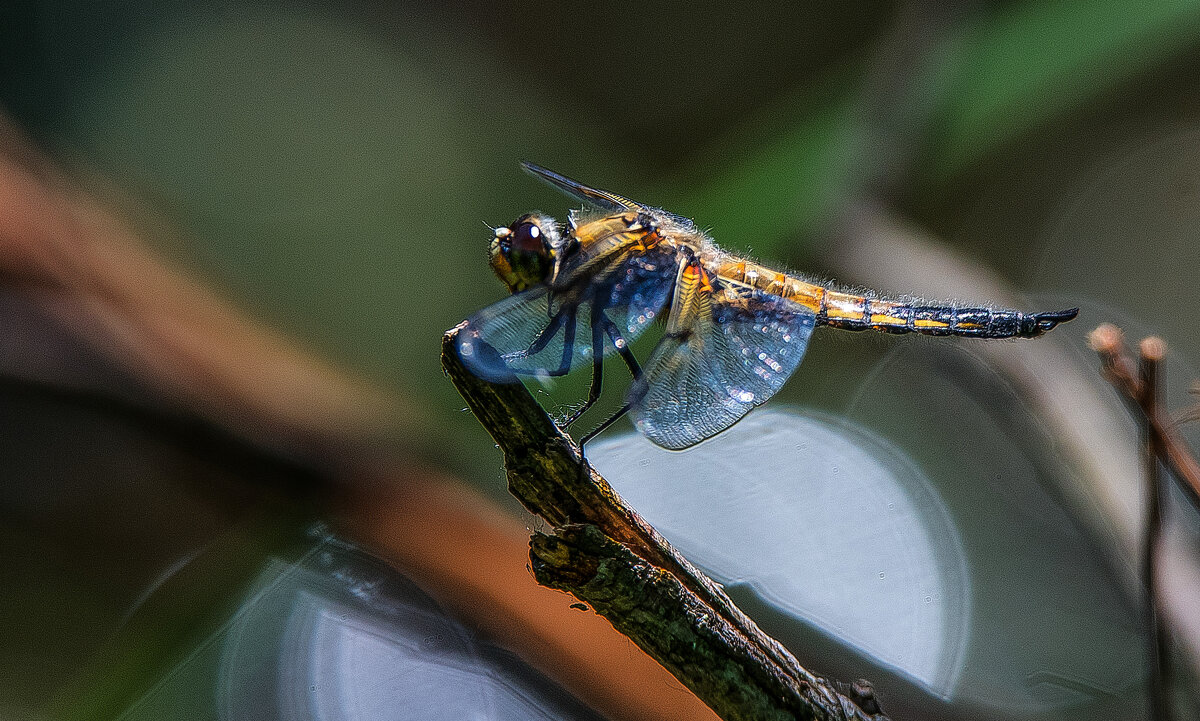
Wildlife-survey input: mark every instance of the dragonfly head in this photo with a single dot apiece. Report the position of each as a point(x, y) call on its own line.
point(522, 255)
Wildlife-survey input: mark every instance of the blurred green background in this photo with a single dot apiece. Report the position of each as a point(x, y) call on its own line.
point(332, 167)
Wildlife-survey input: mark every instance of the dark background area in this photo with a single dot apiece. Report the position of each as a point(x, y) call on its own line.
point(330, 168)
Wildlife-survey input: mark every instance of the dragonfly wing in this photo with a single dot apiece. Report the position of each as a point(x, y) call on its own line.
point(603, 199)
point(704, 378)
point(546, 332)
point(637, 290)
point(592, 196)
point(501, 339)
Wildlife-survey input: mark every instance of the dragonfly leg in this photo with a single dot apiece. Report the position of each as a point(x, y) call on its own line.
point(635, 394)
point(584, 465)
point(599, 321)
point(603, 426)
point(622, 347)
point(634, 369)
point(603, 324)
point(564, 365)
point(543, 338)
point(566, 318)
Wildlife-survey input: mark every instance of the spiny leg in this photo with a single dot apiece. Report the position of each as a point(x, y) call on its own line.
point(623, 348)
point(598, 326)
point(564, 365)
point(564, 317)
point(601, 322)
point(547, 334)
point(603, 426)
point(634, 369)
point(612, 419)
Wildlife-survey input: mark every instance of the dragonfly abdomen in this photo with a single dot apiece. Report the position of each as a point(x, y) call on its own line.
point(939, 320)
point(855, 312)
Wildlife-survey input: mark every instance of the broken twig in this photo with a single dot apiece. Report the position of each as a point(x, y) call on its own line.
point(1118, 368)
point(1142, 392)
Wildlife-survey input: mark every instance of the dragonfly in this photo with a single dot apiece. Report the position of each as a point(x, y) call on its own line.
point(734, 331)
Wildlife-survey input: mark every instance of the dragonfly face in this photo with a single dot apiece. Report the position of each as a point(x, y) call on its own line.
point(522, 255)
point(734, 330)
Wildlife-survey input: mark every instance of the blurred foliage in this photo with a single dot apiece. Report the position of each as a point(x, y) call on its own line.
point(332, 167)
point(994, 79)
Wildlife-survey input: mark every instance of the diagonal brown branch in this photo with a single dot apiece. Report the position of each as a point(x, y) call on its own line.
point(623, 564)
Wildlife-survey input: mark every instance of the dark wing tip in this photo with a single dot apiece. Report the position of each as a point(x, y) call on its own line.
point(1046, 321)
point(602, 199)
point(558, 180)
point(535, 169)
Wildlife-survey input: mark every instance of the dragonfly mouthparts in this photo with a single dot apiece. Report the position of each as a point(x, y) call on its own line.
point(1046, 321)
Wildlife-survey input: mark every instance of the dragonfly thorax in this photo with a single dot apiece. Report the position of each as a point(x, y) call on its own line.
point(522, 255)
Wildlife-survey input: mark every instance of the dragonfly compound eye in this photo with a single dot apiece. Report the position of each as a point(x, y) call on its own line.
point(522, 252)
point(527, 237)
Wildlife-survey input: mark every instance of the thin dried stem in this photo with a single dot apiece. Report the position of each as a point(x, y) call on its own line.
point(1118, 368)
point(1151, 353)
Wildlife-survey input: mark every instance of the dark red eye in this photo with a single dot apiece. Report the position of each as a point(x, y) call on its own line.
point(527, 237)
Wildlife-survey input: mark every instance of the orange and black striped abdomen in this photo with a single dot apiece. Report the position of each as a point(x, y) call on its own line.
point(855, 312)
point(892, 317)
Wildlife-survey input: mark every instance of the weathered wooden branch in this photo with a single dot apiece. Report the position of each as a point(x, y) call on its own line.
point(633, 577)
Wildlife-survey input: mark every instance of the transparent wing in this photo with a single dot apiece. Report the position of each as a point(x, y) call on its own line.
point(703, 380)
point(603, 199)
point(592, 196)
point(548, 332)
